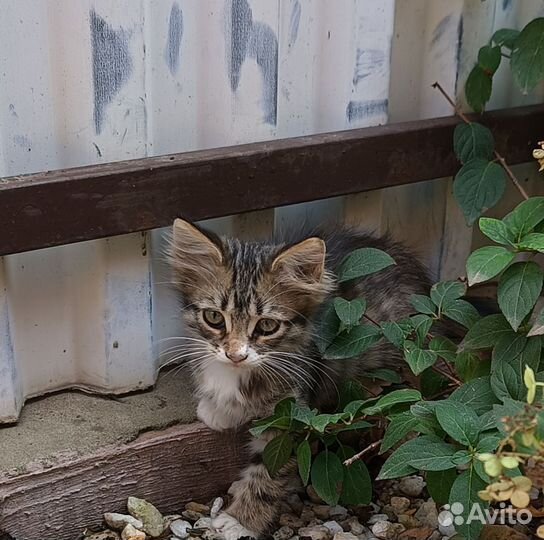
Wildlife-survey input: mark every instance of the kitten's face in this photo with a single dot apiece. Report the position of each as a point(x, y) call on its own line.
point(247, 303)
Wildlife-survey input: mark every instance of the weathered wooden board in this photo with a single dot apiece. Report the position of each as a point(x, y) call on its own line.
point(169, 468)
point(116, 198)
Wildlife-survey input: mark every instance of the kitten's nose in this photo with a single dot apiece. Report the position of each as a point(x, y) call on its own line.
point(236, 356)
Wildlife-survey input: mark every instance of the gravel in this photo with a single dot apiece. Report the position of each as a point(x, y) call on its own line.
point(401, 510)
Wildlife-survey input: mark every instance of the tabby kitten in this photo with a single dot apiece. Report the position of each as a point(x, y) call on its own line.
point(250, 309)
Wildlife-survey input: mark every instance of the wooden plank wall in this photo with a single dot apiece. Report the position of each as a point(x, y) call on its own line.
point(104, 81)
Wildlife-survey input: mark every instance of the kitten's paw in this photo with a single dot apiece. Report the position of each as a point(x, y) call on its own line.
point(230, 528)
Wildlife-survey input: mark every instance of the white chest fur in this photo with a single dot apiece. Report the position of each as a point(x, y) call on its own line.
point(222, 406)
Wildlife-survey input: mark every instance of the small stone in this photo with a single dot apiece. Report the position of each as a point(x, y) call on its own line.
point(317, 532)
point(333, 527)
point(307, 514)
point(322, 511)
point(293, 500)
point(376, 518)
point(131, 533)
point(446, 530)
point(197, 507)
point(168, 519)
point(435, 536)
point(386, 530)
point(153, 522)
point(344, 536)
point(210, 534)
point(315, 522)
point(338, 511)
point(290, 520)
point(180, 528)
point(388, 509)
point(355, 526)
point(283, 533)
point(203, 523)
point(412, 485)
point(313, 496)
point(410, 522)
point(216, 507)
point(103, 535)
point(120, 521)
point(427, 514)
point(501, 532)
point(191, 515)
point(399, 504)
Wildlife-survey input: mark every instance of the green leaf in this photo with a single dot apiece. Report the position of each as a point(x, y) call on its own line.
point(357, 485)
point(422, 324)
point(349, 312)
point(351, 390)
point(505, 37)
point(418, 359)
point(439, 484)
point(485, 333)
point(465, 491)
point(384, 374)
point(284, 407)
point(470, 366)
point(508, 347)
point(302, 413)
point(476, 394)
point(497, 230)
point(444, 348)
point(478, 186)
point(432, 383)
point(328, 326)
point(356, 426)
point(462, 312)
point(445, 292)
point(510, 407)
point(461, 457)
point(488, 421)
point(406, 395)
point(487, 444)
point(277, 453)
point(423, 304)
point(362, 262)
point(422, 453)
point(472, 141)
point(327, 475)
point(489, 58)
point(478, 88)
point(519, 289)
point(353, 343)
point(459, 421)
point(527, 60)
point(487, 262)
point(396, 332)
point(283, 422)
point(532, 242)
point(321, 421)
point(399, 426)
point(304, 460)
point(538, 326)
point(525, 217)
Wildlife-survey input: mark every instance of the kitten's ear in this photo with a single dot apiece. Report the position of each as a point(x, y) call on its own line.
point(192, 249)
point(304, 261)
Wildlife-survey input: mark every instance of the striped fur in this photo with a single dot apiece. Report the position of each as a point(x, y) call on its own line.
point(286, 280)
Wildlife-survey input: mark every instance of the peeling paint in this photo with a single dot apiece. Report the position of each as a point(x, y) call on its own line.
point(111, 64)
point(506, 4)
point(172, 51)
point(357, 110)
point(368, 61)
point(258, 41)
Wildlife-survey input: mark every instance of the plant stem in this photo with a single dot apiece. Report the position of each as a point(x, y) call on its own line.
point(447, 375)
point(499, 157)
point(366, 450)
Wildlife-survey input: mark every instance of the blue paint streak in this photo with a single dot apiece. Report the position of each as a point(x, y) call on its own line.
point(357, 110)
point(172, 50)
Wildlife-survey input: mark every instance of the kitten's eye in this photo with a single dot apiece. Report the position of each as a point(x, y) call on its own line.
point(267, 327)
point(213, 318)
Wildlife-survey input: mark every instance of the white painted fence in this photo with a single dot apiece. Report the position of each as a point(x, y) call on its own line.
point(96, 81)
